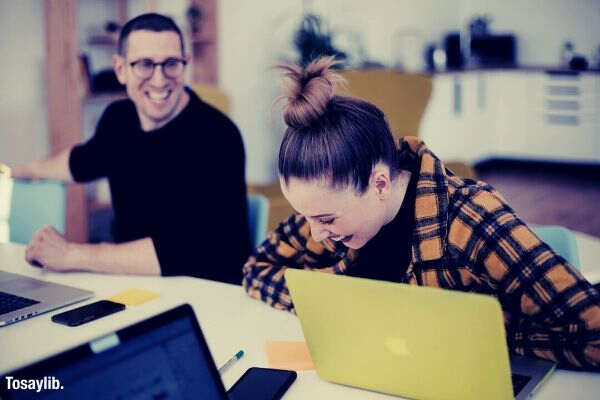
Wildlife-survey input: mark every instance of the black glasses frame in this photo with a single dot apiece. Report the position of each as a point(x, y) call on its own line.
point(162, 65)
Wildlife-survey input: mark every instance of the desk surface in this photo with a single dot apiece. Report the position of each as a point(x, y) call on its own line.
point(229, 319)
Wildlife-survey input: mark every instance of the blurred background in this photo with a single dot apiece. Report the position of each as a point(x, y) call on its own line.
point(506, 91)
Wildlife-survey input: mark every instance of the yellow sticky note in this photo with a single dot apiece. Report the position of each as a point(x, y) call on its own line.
point(292, 355)
point(134, 297)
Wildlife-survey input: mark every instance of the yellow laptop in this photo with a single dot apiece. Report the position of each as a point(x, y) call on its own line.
point(411, 341)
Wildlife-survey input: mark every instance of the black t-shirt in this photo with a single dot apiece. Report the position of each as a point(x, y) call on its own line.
point(182, 185)
point(386, 256)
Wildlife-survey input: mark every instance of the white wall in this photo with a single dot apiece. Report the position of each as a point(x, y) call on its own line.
point(23, 136)
point(387, 28)
point(253, 36)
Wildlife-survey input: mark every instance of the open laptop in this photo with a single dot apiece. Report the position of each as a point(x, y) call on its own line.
point(411, 341)
point(163, 357)
point(22, 297)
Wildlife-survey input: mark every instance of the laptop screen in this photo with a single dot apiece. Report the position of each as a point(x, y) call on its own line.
point(165, 357)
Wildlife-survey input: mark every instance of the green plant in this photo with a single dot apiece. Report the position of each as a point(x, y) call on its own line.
point(314, 40)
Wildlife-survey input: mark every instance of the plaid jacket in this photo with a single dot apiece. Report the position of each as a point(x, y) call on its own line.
point(465, 238)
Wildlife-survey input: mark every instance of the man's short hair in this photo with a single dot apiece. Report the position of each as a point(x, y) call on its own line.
point(148, 22)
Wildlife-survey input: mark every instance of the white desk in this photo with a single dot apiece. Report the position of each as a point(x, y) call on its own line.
point(229, 319)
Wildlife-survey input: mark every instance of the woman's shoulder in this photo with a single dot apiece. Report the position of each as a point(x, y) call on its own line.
point(479, 195)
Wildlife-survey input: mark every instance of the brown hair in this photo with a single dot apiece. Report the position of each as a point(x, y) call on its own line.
point(329, 136)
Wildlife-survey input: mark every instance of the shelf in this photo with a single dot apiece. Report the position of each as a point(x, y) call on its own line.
point(201, 38)
point(102, 40)
point(203, 42)
point(105, 96)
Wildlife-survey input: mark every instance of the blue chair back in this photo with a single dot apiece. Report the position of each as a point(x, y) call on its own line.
point(258, 216)
point(561, 240)
point(33, 205)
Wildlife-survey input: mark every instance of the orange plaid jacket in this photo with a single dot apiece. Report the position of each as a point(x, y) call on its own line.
point(465, 238)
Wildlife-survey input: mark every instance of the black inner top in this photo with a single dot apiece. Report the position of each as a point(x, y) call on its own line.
point(387, 255)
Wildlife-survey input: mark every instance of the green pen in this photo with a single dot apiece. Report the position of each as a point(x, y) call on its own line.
point(230, 362)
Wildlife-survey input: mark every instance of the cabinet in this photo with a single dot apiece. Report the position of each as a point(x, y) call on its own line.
point(565, 120)
point(456, 124)
point(524, 114)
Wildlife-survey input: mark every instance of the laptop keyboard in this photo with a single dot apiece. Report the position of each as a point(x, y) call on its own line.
point(10, 302)
point(519, 382)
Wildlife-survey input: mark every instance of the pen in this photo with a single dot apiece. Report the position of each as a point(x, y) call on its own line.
point(230, 362)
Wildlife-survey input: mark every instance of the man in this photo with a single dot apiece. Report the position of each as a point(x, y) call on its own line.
point(175, 167)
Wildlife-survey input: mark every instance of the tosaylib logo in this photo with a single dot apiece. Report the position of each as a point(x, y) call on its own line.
point(46, 383)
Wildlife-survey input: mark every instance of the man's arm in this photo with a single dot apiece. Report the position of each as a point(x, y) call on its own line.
point(53, 167)
point(50, 249)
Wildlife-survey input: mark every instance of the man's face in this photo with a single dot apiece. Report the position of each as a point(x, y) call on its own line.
point(158, 98)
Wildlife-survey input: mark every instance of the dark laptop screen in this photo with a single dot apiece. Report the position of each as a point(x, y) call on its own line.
point(165, 357)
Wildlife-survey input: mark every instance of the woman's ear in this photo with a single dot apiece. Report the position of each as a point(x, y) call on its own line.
point(380, 181)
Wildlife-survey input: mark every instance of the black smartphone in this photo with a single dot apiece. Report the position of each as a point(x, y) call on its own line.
point(87, 313)
point(262, 384)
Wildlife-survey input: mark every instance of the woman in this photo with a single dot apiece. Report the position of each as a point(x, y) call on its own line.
point(367, 207)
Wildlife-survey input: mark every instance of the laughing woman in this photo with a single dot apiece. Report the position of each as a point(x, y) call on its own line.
point(372, 208)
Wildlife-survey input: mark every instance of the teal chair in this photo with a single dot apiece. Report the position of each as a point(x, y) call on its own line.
point(258, 216)
point(33, 205)
point(561, 240)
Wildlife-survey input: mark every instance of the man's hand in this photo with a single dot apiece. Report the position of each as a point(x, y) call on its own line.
point(5, 170)
point(50, 249)
point(24, 172)
point(53, 167)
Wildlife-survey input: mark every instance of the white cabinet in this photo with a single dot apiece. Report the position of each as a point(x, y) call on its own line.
point(565, 117)
point(514, 114)
point(454, 123)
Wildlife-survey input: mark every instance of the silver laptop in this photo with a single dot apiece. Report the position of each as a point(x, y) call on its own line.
point(22, 297)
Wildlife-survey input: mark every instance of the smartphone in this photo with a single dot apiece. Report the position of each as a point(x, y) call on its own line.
point(262, 384)
point(87, 313)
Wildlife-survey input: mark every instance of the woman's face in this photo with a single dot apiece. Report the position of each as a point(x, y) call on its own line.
point(337, 214)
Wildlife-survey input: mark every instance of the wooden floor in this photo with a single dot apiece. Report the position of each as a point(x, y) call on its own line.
point(549, 193)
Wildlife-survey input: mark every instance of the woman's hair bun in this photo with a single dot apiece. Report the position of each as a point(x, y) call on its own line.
point(308, 90)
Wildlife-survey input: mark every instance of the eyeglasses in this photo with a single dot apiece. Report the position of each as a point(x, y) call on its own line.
point(171, 67)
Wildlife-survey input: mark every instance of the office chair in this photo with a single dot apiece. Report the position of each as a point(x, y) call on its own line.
point(213, 95)
point(561, 240)
point(258, 216)
point(403, 98)
point(33, 205)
